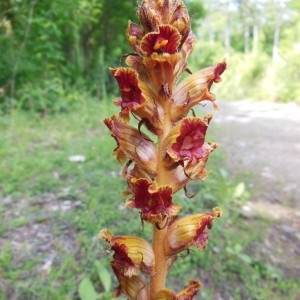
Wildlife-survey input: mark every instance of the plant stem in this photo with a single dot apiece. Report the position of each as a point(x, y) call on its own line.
point(157, 281)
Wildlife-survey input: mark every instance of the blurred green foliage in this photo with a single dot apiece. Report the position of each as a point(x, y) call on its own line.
point(51, 47)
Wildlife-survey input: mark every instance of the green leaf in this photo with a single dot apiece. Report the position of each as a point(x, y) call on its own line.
point(86, 290)
point(239, 190)
point(245, 258)
point(104, 275)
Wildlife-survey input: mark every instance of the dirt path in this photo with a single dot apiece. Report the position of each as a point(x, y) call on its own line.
point(263, 139)
point(262, 145)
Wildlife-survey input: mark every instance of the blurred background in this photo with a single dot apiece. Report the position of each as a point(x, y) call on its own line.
point(60, 184)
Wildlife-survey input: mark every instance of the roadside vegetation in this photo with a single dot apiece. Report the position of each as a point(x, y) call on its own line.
point(52, 208)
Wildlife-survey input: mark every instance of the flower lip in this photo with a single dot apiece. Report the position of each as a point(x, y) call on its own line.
point(189, 292)
point(131, 253)
point(131, 93)
point(132, 286)
point(165, 40)
point(190, 230)
point(155, 203)
point(132, 144)
point(194, 89)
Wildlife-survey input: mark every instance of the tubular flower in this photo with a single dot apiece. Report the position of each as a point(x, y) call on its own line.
point(190, 230)
point(194, 89)
point(133, 144)
point(186, 145)
point(155, 203)
point(131, 253)
point(165, 40)
point(131, 93)
point(132, 287)
point(134, 94)
point(187, 293)
point(152, 13)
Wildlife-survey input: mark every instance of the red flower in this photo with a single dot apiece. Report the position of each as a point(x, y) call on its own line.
point(186, 145)
point(155, 203)
point(165, 40)
point(130, 91)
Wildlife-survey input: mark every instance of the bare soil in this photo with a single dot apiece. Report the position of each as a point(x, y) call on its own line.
point(261, 141)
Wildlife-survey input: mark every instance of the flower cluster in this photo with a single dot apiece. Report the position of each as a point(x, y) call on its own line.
point(156, 169)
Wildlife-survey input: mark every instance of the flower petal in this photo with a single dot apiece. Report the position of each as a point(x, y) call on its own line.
point(132, 287)
point(133, 144)
point(189, 292)
point(131, 253)
point(161, 68)
point(155, 203)
point(186, 145)
point(190, 230)
point(130, 91)
point(194, 89)
point(165, 40)
point(134, 35)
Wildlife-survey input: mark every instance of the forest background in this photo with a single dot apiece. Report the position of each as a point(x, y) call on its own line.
point(49, 48)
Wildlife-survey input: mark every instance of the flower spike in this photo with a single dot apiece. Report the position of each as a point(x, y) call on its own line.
point(163, 161)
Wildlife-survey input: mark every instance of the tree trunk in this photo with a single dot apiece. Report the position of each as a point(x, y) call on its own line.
point(227, 36)
point(255, 39)
point(246, 38)
point(276, 39)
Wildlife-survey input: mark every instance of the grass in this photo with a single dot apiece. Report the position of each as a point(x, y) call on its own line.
point(52, 209)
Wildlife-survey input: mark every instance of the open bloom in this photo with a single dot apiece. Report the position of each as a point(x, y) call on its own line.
point(190, 230)
point(133, 287)
point(189, 292)
point(194, 89)
point(186, 145)
point(154, 202)
point(132, 144)
point(131, 253)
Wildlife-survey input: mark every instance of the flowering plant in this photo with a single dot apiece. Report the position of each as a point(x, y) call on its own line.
point(156, 170)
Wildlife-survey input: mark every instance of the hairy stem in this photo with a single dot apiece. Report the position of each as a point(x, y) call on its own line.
point(157, 281)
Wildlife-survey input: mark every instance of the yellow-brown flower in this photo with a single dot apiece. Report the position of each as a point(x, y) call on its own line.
point(131, 253)
point(132, 287)
point(194, 89)
point(190, 230)
point(188, 293)
point(133, 144)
